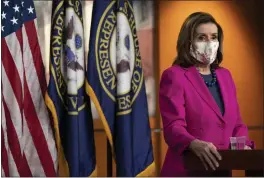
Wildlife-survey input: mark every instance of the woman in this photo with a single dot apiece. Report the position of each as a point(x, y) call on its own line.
point(198, 101)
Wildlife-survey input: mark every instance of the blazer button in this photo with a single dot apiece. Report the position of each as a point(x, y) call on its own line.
point(221, 126)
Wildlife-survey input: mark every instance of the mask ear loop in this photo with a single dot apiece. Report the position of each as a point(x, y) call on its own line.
point(192, 51)
point(191, 46)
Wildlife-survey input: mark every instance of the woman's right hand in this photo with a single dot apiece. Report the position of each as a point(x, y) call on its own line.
point(207, 153)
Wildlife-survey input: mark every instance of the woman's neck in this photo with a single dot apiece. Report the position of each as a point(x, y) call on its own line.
point(204, 69)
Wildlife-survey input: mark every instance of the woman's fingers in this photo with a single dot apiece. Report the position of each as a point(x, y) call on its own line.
point(214, 151)
point(203, 161)
point(208, 160)
point(212, 157)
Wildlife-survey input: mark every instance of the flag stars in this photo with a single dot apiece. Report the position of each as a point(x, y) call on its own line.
point(3, 15)
point(22, 3)
point(6, 3)
point(14, 20)
point(30, 10)
point(3, 28)
point(16, 8)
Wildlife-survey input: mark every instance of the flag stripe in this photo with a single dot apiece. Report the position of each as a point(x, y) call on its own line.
point(32, 154)
point(20, 40)
point(28, 136)
point(34, 87)
point(37, 134)
point(34, 46)
point(12, 62)
point(42, 52)
point(14, 146)
point(12, 105)
point(4, 158)
point(3, 173)
point(13, 72)
point(12, 171)
point(15, 53)
point(4, 145)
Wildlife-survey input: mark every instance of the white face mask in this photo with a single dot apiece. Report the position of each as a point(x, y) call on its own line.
point(205, 51)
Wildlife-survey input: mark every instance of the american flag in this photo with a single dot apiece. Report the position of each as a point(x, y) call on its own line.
point(28, 145)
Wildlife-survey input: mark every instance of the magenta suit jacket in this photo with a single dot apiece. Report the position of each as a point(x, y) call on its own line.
point(189, 111)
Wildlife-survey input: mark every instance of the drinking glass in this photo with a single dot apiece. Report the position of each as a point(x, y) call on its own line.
point(237, 143)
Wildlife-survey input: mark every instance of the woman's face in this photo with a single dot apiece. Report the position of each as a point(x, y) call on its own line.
point(206, 32)
point(205, 43)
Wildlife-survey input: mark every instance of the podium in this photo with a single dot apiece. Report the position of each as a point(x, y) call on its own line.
point(252, 161)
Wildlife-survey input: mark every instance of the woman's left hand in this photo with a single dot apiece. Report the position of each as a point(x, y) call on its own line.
point(247, 148)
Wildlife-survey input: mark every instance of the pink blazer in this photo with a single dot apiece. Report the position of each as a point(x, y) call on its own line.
point(189, 111)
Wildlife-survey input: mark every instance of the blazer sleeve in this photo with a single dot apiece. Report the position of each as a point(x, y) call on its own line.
point(240, 128)
point(172, 109)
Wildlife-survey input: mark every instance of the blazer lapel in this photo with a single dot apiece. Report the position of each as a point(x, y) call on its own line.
point(194, 77)
point(223, 89)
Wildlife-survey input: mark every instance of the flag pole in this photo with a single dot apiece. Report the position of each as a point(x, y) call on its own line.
point(109, 160)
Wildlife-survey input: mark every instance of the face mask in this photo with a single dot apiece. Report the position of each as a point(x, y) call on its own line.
point(205, 51)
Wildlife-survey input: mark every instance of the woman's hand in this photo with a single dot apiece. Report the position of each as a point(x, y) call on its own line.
point(207, 153)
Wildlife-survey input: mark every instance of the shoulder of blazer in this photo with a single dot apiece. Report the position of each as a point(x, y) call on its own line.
point(173, 74)
point(227, 75)
point(176, 70)
point(225, 72)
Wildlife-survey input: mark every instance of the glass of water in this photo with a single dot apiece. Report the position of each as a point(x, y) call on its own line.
point(238, 143)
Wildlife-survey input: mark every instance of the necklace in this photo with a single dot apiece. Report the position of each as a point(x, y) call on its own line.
point(213, 81)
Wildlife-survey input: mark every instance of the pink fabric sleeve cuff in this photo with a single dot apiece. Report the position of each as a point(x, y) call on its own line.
point(251, 144)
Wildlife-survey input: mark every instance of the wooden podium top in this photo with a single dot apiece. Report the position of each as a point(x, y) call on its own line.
point(231, 160)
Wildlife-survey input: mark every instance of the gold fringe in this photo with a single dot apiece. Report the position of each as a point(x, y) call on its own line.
point(63, 165)
point(90, 92)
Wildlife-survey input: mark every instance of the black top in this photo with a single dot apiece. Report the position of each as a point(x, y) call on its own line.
point(216, 93)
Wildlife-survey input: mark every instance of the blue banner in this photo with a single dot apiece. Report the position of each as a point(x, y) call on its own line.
point(66, 99)
point(116, 86)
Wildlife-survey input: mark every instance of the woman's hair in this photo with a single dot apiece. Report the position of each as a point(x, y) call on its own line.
point(186, 38)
